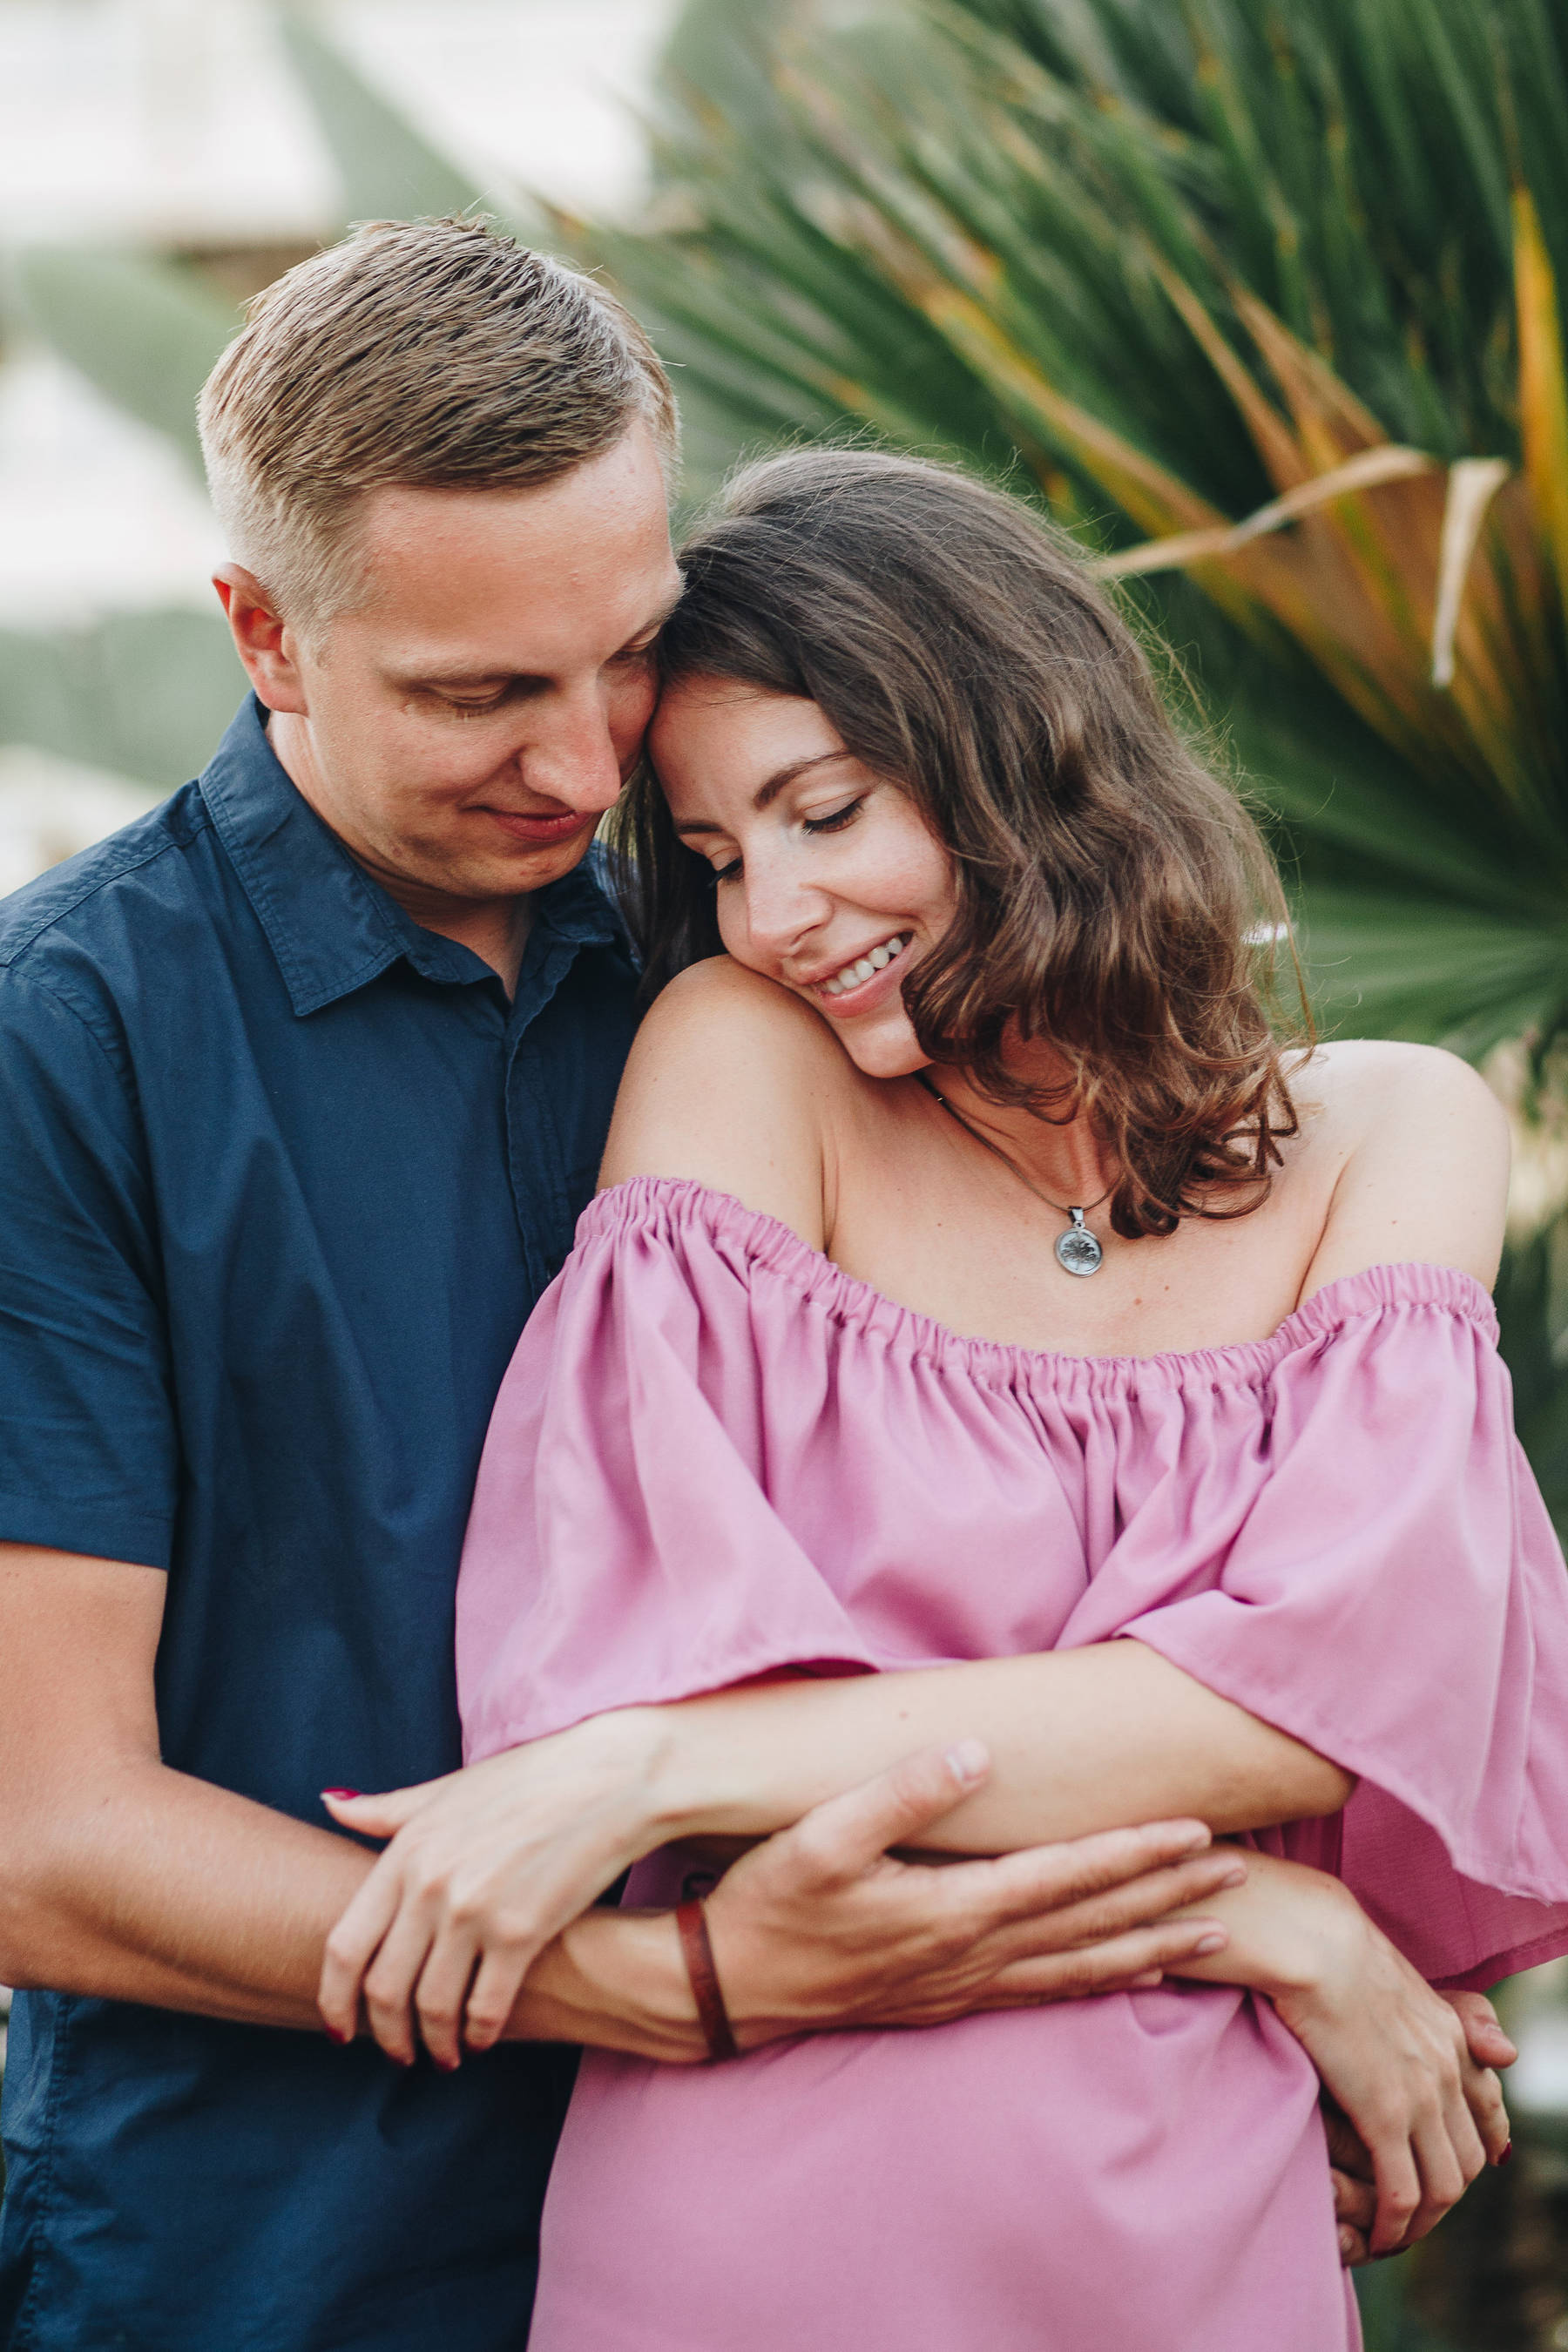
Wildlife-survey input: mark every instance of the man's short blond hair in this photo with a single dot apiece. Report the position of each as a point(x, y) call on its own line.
point(432, 355)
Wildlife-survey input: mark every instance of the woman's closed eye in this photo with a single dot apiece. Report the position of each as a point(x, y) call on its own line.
point(835, 821)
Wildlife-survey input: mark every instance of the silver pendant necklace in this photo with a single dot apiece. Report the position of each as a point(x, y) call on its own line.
point(1078, 1251)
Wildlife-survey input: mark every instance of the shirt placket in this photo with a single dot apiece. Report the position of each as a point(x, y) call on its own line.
point(536, 1159)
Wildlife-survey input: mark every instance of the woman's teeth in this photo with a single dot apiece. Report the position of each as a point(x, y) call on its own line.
point(854, 975)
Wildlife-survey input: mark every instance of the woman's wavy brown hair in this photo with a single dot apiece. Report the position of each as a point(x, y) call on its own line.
point(1113, 897)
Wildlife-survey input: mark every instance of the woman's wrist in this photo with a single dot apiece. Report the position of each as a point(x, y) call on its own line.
point(1311, 1933)
point(1295, 1934)
point(631, 1752)
point(689, 1772)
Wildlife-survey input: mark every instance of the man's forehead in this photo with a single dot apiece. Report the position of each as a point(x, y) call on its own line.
point(464, 584)
point(621, 493)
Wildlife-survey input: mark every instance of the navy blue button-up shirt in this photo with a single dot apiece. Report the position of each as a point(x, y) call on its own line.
point(281, 1175)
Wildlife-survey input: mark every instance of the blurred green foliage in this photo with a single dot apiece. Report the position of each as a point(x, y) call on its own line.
point(386, 170)
point(143, 330)
point(144, 695)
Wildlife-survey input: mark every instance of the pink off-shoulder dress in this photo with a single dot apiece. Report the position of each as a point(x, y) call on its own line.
point(715, 1456)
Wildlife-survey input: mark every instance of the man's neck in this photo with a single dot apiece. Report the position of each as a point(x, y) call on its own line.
point(495, 931)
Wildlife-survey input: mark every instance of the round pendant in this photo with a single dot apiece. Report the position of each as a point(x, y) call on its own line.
point(1077, 1251)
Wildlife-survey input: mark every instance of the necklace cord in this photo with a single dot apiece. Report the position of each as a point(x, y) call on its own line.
point(1061, 1208)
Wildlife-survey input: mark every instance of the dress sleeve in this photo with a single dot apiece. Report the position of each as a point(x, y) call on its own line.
point(1395, 1596)
point(621, 1549)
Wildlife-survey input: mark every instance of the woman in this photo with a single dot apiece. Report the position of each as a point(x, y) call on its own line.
point(977, 1286)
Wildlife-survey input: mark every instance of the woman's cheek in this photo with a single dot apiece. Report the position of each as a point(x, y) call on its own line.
point(732, 928)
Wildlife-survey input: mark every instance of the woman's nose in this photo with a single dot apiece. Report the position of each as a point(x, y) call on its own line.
point(780, 908)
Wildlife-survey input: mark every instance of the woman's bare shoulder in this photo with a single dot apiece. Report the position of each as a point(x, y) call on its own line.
point(733, 1082)
point(1416, 1146)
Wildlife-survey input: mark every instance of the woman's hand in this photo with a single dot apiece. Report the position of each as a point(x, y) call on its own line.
point(1393, 2054)
point(484, 1867)
point(1351, 2166)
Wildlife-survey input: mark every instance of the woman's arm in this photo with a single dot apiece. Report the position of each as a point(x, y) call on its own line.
point(489, 1865)
point(1079, 1741)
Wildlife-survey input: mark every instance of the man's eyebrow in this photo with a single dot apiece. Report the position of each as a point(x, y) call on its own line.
point(765, 794)
point(419, 674)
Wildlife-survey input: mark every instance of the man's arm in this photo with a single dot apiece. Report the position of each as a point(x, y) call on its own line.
point(122, 1878)
point(119, 1876)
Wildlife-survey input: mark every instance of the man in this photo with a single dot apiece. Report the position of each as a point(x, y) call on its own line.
point(305, 1078)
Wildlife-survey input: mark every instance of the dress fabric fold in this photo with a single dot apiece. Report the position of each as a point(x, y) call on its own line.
point(717, 1456)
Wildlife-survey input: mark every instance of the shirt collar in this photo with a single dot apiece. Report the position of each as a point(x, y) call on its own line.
point(330, 927)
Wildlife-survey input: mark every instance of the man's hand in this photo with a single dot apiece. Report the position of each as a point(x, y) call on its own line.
point(1350, 2166)
point(822, 1926)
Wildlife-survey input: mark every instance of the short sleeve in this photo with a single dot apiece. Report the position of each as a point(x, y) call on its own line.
point(88, 1454)
point(621, 1549)
point(1396, 1597)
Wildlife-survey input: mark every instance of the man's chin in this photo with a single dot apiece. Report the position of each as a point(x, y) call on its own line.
point(513, 873)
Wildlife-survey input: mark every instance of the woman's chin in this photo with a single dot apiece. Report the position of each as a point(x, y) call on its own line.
point(885, 1048)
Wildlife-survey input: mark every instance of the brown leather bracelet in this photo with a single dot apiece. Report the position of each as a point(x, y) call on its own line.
point(713, 2016)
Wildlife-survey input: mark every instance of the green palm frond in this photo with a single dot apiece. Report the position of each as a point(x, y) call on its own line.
point(139, 694)
point(1166, 265)
point(388, 169)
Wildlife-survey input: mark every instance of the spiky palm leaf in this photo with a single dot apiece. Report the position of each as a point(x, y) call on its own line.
point(1176, 266)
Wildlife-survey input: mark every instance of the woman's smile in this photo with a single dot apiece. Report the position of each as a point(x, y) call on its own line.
point(849, 989)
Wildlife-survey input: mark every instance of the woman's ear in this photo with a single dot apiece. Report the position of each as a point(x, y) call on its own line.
point(265, 643)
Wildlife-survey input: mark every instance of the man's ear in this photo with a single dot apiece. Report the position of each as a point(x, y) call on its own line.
point(265, 644)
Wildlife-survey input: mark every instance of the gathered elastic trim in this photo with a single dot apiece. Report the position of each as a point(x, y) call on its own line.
point(680, 1204)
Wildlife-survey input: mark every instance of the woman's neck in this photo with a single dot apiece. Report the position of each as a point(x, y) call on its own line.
point(1066, 1160)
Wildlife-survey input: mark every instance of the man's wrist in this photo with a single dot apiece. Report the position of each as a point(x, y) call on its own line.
point(614, 1980)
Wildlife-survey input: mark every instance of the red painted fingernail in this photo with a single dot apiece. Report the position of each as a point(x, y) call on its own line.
point(1507, 2154)
point(335, 2034)
point(340, 1792)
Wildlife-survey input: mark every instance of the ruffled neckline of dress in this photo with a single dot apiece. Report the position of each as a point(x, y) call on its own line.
point(765, 1243)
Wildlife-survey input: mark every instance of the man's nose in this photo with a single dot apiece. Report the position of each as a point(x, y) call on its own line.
point(571, 756)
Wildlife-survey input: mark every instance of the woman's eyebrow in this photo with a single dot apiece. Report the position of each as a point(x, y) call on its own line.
point(766, 793)
point(777, 783)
